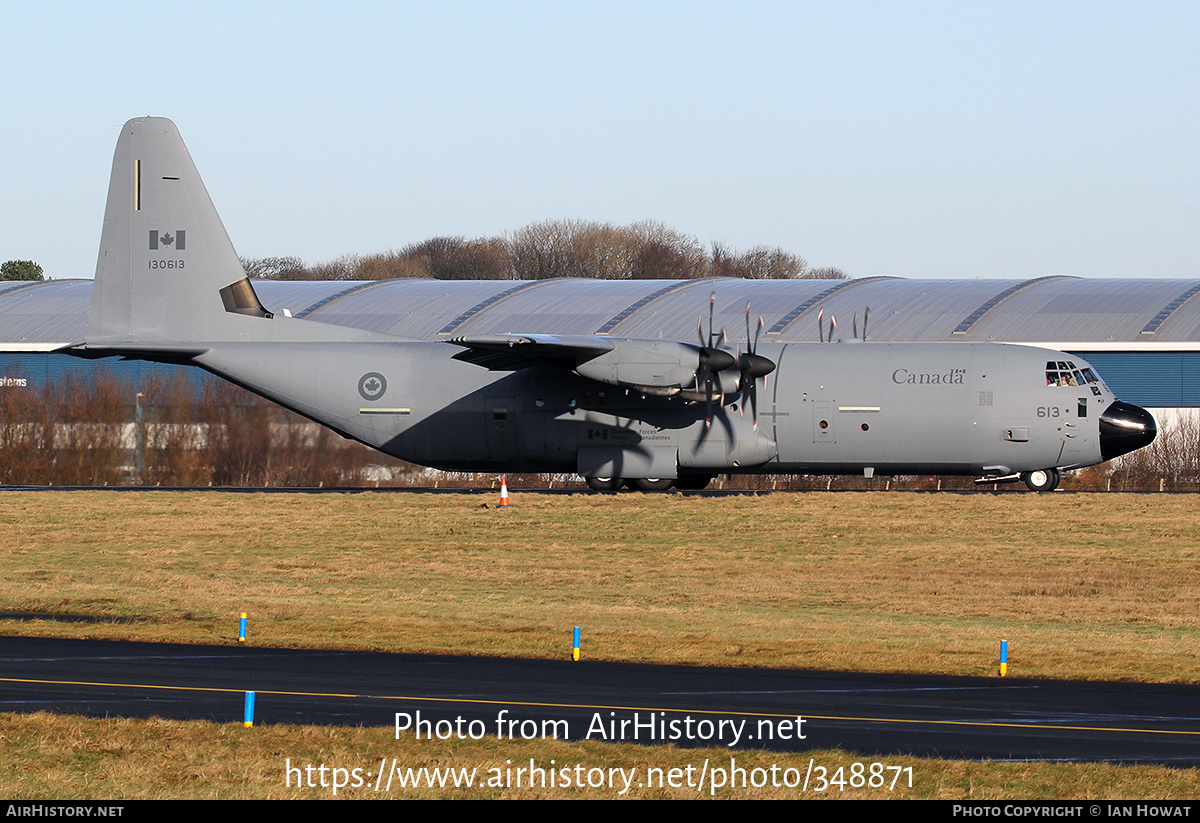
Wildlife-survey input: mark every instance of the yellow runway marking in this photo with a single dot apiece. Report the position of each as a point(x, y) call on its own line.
point(539, 705)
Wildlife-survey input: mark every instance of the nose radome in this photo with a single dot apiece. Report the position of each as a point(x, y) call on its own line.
point(1125, 427)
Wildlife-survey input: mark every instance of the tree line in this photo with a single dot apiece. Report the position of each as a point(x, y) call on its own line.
point(646, 250)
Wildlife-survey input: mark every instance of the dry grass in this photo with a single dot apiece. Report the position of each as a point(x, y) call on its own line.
point(60, 758)
point(1090, 587)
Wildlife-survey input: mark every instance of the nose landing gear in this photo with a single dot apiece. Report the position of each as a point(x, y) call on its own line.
point(1042, 480)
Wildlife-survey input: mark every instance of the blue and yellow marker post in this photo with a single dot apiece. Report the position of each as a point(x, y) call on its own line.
point(1003, 658)
point(248, 717)
point(242, 629)
point(575, 651)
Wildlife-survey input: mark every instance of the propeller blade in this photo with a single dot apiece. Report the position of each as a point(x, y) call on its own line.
point(752, 399)
point(708, 392)
point(712, 302)
point(749, 344)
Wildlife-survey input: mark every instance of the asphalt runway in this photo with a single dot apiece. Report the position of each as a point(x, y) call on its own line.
point(870, 714)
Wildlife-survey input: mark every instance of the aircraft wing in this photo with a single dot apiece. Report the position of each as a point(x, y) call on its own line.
point(661, 367)
point(511, 352)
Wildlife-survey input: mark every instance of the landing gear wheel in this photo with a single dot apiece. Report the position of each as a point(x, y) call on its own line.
point(1042, 480)
point(693, 482)
point(652, 484)
point(604, 484)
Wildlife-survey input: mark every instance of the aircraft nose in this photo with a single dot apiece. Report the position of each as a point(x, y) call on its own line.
point(1125, 427)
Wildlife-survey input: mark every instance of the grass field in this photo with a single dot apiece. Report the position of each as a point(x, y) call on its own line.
point(62, 758)
point(1082, 586)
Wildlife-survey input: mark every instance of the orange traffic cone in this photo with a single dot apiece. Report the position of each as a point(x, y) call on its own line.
point(503, 492)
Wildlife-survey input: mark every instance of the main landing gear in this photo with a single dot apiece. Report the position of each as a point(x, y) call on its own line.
point(651, 484)
point(685, 482)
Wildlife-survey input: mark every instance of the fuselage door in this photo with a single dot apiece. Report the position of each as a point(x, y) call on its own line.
point(500, 430)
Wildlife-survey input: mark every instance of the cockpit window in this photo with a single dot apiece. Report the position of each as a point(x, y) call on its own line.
point(1066, 373)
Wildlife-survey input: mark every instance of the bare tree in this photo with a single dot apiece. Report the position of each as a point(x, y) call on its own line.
point(759, 263)
point(827, 273)
point(391, 265)
point(541, 251)
point(341, 268)
point(276, 268)
point(456, 258)
point(665, 253)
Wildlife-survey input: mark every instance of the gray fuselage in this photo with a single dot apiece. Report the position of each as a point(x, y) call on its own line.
point(953, 408)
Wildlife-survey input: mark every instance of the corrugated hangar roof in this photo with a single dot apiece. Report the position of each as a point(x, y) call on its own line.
point(54, 311)
point(1043, 310)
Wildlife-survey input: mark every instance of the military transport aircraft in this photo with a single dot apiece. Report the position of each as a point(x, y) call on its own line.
point(649, 413)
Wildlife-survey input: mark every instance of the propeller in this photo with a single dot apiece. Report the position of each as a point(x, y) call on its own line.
point(753, 366)
point(712, 360)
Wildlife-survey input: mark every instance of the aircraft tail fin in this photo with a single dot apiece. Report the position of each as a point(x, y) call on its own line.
point(167, 274)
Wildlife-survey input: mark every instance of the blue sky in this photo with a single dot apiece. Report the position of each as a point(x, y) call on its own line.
point(920, 139)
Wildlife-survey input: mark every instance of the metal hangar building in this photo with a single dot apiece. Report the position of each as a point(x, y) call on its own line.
point(1142, 335)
